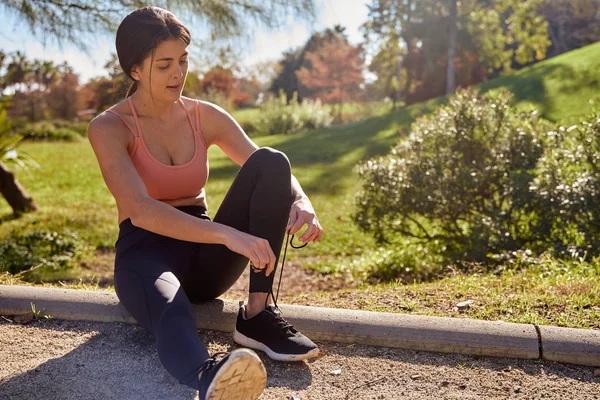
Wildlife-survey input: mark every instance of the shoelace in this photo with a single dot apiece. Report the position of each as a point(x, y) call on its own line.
point(275, 297)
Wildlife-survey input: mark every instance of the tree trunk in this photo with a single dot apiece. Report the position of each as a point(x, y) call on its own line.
point(409, 70)
point(409, 55)
point(451, 48)
point(14, 193)
point(399, 79)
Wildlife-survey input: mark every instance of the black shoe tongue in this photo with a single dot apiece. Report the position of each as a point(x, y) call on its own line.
point(274, 310)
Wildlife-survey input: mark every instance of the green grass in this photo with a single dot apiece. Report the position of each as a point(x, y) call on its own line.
point(71, 195)
point(246, 115)
point(551, 293)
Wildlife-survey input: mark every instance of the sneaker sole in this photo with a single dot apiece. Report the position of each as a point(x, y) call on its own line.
point(242, 377)
point(245, 341)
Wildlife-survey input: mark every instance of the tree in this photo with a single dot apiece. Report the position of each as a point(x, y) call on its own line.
point(44, 73)
point(18, 72)
point(295, 59)
point(506, 31)
point(335, 73)
point(389, 32)
point(221, 81)
point(256, 79)
point(63, 94)
point(73, 20)
point(451, 48)
point(102, 92)
point(438, 37)
point(10, 188)
point(572, 24)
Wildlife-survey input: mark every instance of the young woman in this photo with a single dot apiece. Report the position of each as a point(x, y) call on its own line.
point(152, 151)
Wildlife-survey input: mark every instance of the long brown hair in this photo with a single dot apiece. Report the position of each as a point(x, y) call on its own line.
point(140, 33)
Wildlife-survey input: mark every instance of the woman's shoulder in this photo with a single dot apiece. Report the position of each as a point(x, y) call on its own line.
point(108, 123)
point(115, 114)
point(204, 107)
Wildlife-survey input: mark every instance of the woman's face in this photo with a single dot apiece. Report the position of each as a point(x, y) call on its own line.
point(169, 70)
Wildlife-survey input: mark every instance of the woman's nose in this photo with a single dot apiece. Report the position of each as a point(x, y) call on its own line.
point(179, 71)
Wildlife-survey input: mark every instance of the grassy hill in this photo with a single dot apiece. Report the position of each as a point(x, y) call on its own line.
point(561, 87)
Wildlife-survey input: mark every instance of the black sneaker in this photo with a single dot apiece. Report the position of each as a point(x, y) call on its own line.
point(238, 375)
point(269, 332)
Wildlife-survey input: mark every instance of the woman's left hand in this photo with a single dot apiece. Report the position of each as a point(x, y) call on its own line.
point(302, 212)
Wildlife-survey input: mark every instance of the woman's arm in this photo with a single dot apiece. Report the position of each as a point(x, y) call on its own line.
point(224, 131)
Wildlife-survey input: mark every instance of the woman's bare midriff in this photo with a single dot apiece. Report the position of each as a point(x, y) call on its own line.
point(190, 201)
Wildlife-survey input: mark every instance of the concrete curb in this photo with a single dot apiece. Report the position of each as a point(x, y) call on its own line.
point(448, 335)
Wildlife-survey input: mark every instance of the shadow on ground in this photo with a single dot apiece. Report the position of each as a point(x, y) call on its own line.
point(112, 361)
point(106, 365)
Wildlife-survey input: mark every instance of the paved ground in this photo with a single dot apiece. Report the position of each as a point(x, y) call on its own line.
point(53, 359)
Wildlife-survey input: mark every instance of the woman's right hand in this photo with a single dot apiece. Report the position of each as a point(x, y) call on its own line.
point(256, 249)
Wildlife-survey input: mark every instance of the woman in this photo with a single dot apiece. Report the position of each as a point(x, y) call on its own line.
point(152, 151)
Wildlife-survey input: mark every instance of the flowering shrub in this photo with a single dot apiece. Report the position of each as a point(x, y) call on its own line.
point(276, 116)
point(568, 184)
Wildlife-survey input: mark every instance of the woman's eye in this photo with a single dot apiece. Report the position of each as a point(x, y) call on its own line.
point(180, 62)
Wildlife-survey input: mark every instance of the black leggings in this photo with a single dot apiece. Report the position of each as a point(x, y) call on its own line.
point(157, 277)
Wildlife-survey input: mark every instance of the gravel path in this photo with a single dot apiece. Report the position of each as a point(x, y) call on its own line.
point(54, 359)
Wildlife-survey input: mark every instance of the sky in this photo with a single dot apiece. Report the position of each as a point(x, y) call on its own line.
point(264, 46)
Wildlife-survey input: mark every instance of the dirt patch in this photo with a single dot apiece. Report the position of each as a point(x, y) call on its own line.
point(296, 280)
point(53, 359)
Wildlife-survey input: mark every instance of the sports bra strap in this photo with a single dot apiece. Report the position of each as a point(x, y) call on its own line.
point(186, 113)
point(197, 107)
point(123, 119)
point(135, 117)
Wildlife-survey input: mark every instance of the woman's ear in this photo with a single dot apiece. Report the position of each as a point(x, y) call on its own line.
point(135, 73)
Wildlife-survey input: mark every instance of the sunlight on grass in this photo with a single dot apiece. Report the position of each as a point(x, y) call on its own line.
point(565, 295)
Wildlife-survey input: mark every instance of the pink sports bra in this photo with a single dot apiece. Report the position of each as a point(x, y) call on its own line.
point(170, 182)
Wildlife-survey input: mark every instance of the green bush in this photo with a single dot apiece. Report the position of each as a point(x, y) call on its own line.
point(276, 116)
point(47, 131)
point(78, 126)
point(569, 186)
point(460, 183)
point(54, 251)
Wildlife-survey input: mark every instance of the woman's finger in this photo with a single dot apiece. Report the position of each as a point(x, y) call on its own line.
point(310, 232)
point(318, 232)
point(297, 225)
point(268, 253)
point(261, 254)
point(321, 232)
point(255, 262)
point(293, 218)
point(315, 234)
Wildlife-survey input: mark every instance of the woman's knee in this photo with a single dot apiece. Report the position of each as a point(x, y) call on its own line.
point(271, 160)
point(147, 297)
